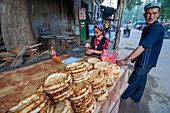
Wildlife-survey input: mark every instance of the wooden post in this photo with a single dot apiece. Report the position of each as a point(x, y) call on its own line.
point(120, 14)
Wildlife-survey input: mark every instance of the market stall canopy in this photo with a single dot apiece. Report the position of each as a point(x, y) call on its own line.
point(107, 11)
point(109, 7)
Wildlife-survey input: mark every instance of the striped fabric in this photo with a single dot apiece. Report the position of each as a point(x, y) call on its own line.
point(100, 27)
point(145, 57)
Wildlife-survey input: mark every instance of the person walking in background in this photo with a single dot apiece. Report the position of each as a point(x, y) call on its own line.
point(167, 30)
point(146, 54)
point(129, 27)
point(106, 25)
point(99, 43)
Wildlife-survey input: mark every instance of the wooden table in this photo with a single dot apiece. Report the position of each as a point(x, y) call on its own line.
point(59, 42)
point(17, 84)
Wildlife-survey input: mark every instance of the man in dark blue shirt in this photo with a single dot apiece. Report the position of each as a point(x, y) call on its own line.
point(146, 54)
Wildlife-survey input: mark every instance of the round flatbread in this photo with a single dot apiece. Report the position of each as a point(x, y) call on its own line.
point(93, 60)
point(81, 101)
point(88, 106)
point(62, 106)
point(99, 84)
point(78, 70)
point(70, 110)
point(92, 108)
point(102, 97)
point(22, 104)
point(45, 107)
point(78, 88)
point(89, 66)
point(116, 75)
point(100, 90)
point(81, 77)
point(58, 85)
point(81, 80)
point(64, 97)
point(110, 80)
point(105, 67)
point(62, 92)
point(95, 76)
point(59, 79)
point(48, 109)
point(59, 89)
point(32, 106)
point(38, 109)
point(58, 94)
point(75, 66)
point(84, 103)
point(116, 68)
point(109, 84)
point(78, 74)
point(51, 109)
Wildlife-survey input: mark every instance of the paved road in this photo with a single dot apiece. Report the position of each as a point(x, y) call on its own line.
point(156, 97)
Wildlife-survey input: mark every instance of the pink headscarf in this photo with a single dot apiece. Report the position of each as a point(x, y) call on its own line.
point(100, 27)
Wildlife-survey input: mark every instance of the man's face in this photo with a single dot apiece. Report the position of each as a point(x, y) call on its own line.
point(151, 15)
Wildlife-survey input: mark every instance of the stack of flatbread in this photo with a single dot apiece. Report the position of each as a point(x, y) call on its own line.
point(116, 71)
point(107, 69)
point(78, 71)
point(99, 88)
point(36, 103)
point(60, 107)
point(58, 86)
point(83, 101)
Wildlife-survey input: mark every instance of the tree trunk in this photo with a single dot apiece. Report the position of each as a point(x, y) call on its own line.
point(120, 14)
point(16, 24)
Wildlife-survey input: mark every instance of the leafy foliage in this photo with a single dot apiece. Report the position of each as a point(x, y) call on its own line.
point(165, 9)
point(130, 4)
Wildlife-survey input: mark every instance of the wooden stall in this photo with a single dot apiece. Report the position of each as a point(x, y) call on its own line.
point(18, 84)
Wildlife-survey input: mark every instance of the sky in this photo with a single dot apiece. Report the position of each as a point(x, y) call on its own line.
point(113, 3)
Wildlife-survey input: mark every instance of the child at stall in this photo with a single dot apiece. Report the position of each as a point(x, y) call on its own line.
point(99, 43)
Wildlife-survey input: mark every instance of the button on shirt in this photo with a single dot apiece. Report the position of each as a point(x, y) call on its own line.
point(151, 40)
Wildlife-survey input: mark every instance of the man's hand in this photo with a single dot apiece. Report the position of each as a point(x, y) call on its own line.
point(122, 62)
point(133, 55)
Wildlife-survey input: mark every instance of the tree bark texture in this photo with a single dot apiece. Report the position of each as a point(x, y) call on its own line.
point(120, 14)
point(16, 24)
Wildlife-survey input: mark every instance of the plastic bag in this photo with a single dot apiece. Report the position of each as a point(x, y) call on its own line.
point(109, 57)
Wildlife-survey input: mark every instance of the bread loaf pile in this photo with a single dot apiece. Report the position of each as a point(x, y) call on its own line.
point(98, 83)
point(58, 86)
point(82, 84)
point(107, 69)
point(82, 101)
point(78, 71)
point(36, 103)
